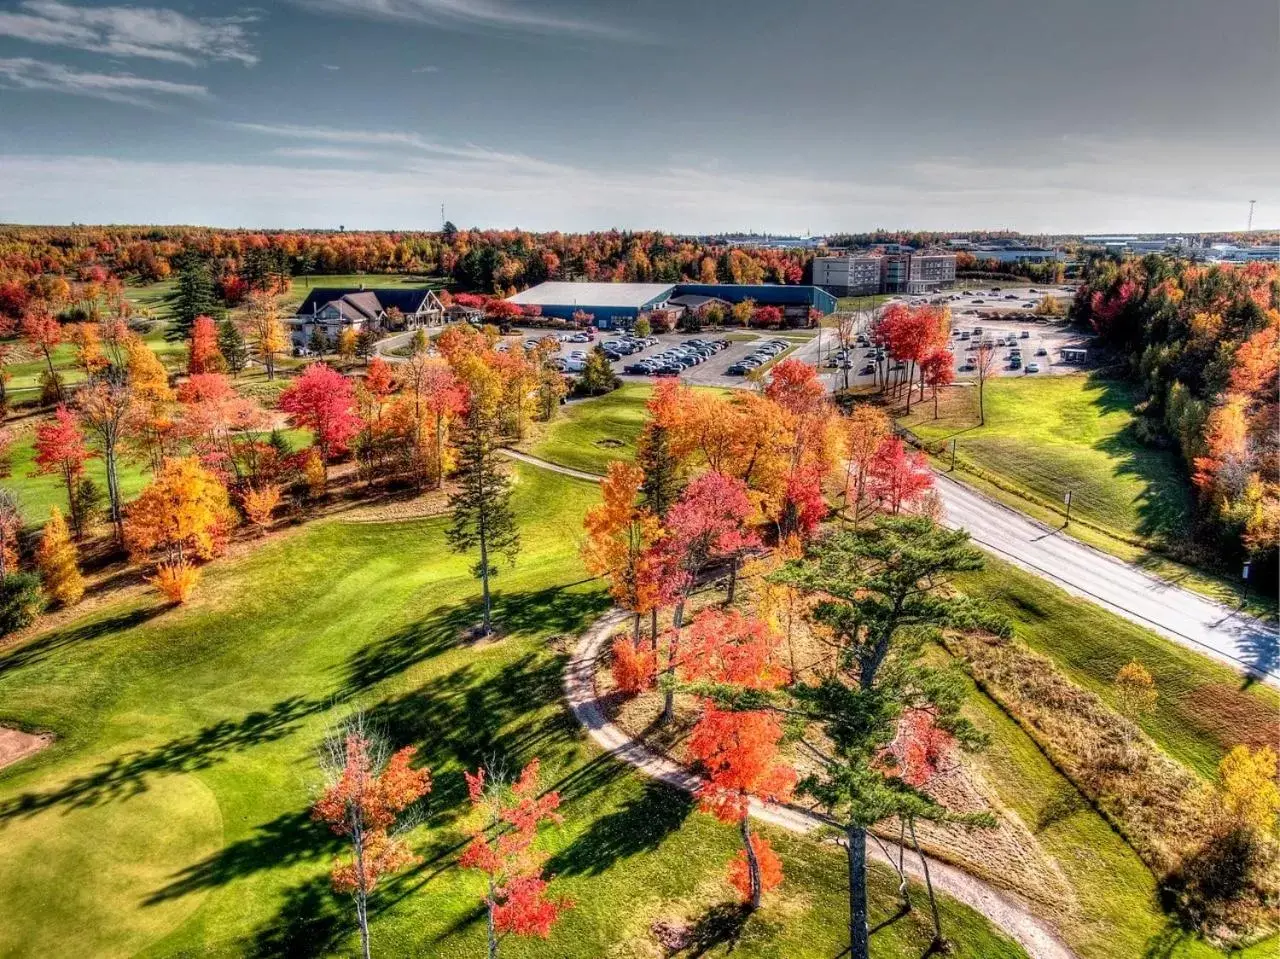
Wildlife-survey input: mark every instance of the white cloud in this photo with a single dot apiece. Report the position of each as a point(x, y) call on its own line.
point(489, 14)
point(400, 143)
point(27, 74)
point(127, 31)
point(429, 68)
point(324, 153)
point(277, 194)
point(331, 66)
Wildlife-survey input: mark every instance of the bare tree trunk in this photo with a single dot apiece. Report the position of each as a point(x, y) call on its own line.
point(113, 490)
point(493, 929)
point(673, 650)
point(733, 580)
point(938, 939)
point(753, 864)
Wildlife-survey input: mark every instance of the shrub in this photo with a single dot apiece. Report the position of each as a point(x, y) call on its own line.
point(56, 557)
point(260, 503)
point(20, 601)
point(50, 388)
point(770, 869)
point(176, 581)
point(633, 669)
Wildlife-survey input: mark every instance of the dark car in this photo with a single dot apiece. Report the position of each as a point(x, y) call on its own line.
point(739, 369)
point(639, 369)
point(611, 354)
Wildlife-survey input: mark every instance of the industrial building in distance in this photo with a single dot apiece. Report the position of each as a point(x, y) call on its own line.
point(619, 305)
point(901, 271)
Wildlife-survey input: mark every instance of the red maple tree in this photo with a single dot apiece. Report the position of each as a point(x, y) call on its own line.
point(60, 448)
point(323, 401)
point(502, 847)
point(899, 479)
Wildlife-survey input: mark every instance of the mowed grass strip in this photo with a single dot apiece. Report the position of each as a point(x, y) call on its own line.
point(171, 815)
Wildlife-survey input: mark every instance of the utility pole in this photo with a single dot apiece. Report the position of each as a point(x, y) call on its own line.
point(1068, 499)
point(1249, 229)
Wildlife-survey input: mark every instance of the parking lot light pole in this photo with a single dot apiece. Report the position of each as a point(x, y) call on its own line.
point(1068, 499)
point(953, 456)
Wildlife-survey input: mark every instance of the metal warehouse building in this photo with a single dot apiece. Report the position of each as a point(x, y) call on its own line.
point(617, 305)
point(612, 304)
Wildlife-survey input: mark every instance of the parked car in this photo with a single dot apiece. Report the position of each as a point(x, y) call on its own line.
point(867, 370)
point(580, 338)
point(1033, 367)
point(1042, 352)
point(642, 368)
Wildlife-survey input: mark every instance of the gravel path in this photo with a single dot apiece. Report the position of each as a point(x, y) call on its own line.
point(1032, 933)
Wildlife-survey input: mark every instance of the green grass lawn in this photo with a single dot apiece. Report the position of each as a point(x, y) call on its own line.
point(851, 303)
point(1046, 435)
point(36, 493)
point(170, 817)
point(1053, 434)
point(589, 434)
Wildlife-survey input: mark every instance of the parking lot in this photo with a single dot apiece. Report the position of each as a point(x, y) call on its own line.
point(1006, 318)
point(710, 372)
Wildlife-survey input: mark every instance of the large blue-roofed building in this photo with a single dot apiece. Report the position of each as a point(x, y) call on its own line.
point(618, 305)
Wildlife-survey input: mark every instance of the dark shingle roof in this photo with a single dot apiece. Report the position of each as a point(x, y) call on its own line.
point(354, 302)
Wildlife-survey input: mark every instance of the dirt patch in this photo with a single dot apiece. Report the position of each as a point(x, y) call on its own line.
point(15, 744)
point(609, 444)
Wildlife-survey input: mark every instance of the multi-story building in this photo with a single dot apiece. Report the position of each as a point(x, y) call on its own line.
point(853, 275)
point(860, 274)
point(930, 270)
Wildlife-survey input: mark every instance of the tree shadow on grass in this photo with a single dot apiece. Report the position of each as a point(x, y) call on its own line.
point(38, 649)
point(720, 926)
point(555, 610)
point(311, 922)
point(638, 826)
point(288, 839)
point(128, 774)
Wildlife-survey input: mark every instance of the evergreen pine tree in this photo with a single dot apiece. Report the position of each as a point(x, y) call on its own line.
point(661, 485)
point(56, 558)
point(195, 297)
point(482, 515)
point(232, 347)
point(318, 343)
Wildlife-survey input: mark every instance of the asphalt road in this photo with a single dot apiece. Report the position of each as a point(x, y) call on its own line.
point(1181, 615)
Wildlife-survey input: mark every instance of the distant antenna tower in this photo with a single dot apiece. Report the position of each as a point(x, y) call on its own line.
point(442, 219)
point(1250, 227)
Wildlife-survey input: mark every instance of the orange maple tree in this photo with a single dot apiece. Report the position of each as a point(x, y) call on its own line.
point(619, 544)
point(366, 793)
point(738, 753)
point(204, 355)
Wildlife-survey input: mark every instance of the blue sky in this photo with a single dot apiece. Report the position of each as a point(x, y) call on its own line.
point(815, 115)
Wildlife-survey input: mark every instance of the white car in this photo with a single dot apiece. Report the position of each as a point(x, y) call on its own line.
point(1033, 367)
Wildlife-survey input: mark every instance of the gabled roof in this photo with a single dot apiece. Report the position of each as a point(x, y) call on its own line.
point(355, 303)
point(695, 301)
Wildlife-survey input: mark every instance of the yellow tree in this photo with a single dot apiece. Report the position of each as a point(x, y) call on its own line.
point(151, 423)
point(262, 322)
point(348, 340)
point(1135, 691)
point(1247, 787)
point(183, 515)
point(620, 534)
point(56, 558)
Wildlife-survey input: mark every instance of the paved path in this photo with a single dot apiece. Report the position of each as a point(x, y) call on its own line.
point(1181, 615)
point(1185, 617)
point(1032, 933)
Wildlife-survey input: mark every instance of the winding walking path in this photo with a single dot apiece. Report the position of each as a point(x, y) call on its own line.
point(1032, 933)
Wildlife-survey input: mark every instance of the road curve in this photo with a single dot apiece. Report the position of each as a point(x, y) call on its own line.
point(1179, 614)
point(1032, 933)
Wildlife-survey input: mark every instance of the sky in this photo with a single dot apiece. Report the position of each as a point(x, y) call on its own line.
point(691, 116)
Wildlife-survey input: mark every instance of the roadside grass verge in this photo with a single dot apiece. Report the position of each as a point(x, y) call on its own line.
point(1046, 436)
point(1204, 707)
point(171, 814)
